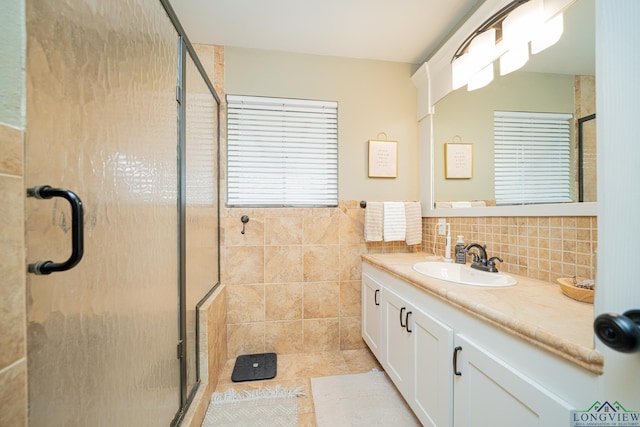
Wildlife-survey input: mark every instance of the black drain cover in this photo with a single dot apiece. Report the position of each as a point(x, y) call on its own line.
point(252, 367)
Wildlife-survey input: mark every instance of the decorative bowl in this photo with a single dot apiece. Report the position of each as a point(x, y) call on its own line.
point(568, 287)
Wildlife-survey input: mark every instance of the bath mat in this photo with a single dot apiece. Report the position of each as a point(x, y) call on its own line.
point(252, 367)
point(269, 406)
point(368, 399)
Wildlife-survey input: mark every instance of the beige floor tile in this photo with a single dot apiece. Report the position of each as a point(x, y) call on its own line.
point(296, 370)
point(321, 364)
point(225, 375)
point(360, 361)
point(307, 420)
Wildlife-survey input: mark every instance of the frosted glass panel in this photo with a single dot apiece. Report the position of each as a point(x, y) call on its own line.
point(102, 122)
point(202, 201)
point(589, 162)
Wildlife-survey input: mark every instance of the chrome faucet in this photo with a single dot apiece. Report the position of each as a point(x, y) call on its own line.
point(480, 261)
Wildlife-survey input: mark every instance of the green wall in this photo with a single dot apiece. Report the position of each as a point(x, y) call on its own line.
point(373, 97)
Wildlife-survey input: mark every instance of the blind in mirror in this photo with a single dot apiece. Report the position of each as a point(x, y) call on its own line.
point(532, 157)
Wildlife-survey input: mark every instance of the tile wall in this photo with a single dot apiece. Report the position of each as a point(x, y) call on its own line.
point(213, 356)
point(294, 276)
point(13, 361)
point(543, 248)
point(293, 279)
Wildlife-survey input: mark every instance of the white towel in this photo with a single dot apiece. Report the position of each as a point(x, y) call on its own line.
point(450, 205)
point(395, 227)
point(413, 216)
point(373, 222)
point(457, 205)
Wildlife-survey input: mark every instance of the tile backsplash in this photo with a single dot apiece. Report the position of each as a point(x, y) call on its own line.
point(543, 248)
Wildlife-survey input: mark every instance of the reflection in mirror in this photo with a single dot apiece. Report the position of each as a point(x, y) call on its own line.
point(560, 79)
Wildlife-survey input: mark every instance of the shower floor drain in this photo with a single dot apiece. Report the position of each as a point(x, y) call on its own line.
point(253, 367)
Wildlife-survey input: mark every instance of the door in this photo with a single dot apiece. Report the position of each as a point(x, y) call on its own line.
point(488, 392)
point(371, 313)
point(398, 341)
point(617, 290)
point(102, 122)
point(433, 378)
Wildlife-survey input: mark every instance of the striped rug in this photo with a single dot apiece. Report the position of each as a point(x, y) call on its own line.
point(269, 406)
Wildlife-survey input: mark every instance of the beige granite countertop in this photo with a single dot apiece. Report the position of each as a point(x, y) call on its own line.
point(534, 310)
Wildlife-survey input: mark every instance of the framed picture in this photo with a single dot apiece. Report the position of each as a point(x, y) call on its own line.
point(458, 160)
point(383, 159)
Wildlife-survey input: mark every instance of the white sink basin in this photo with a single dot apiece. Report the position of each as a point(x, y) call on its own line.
point(463, 274)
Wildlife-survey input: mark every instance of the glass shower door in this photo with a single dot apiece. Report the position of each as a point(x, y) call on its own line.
point(102, 122)
point(201, 200)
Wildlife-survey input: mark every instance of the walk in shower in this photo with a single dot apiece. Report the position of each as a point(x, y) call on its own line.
point(120, 112)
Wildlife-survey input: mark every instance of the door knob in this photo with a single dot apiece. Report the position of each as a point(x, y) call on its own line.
point(621, 332)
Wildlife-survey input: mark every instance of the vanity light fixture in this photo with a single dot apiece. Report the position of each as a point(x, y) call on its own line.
point(506, 36)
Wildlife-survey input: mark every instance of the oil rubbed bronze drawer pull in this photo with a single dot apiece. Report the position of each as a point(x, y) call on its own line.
point(455, 360)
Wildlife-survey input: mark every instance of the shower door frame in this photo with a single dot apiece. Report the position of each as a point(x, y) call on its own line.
point(186, 48)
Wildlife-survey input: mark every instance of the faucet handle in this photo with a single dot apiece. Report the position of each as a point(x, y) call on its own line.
point(491, 263)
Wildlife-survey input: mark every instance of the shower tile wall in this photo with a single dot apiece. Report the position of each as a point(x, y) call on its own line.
point(13, 365)
point(293, 279)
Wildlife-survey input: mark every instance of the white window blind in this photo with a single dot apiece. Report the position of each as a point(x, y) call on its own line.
point(281, 152)
point(532, 157)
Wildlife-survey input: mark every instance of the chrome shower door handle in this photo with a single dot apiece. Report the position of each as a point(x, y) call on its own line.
point(77, 229)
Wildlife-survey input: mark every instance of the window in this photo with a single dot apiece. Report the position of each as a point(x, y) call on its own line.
point(282, 152)
point(532, 157)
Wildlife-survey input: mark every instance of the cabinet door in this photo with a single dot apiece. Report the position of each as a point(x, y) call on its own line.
point(398, 343)
point(433, 377)
point(371, 313)
point(490, 393)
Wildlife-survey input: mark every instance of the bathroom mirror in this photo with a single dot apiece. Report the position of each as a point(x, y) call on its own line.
point(560, 79)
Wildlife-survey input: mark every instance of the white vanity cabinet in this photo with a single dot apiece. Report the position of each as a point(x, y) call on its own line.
point(397, 339)
point(417, 357)
point(371, 313)
point(489, 392)
point(417, 350)
point(414, 349)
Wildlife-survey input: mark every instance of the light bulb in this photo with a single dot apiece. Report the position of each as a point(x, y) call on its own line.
point(548, 35)
point(523, 23)
point(514, 58)
point(460, 71)
point(481, 78)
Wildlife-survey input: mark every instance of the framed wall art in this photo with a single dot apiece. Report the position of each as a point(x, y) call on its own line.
point(458, 160)
point(383, 159)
